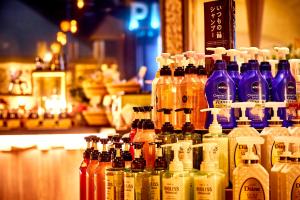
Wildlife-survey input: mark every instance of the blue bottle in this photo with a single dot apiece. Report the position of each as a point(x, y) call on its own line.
point(284, 89)
point(265, 70)
point(220, 92)
point(253, 87)
point(233, 69)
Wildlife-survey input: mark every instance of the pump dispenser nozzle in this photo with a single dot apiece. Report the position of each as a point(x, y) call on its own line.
point(286, 140)
point(282, 52)
point(232, 53)
point(244, 55)
point(264, 53)
point(199, 59)
point(218, 50)
point(250, 141)
point(275, 106)
point(180, 60)
point(214, 127)
point(175, 164)
point(252, 51)
point(210, 161)
point(190, 57)
point(243, 106)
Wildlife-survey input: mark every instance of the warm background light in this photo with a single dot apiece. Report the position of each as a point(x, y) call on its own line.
point(65, 26)
point(73, 26)
point(80, 4)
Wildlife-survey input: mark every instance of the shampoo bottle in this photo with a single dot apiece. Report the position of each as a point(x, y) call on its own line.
point(215, 135)
point(209, 182)
point(250, 179)
point(176, 182)
point(220, 92)
point(284, 159)
point(233, 69)
point(265, 70)
point(254, 88)
point(83, 167)
point(284, 86)
point(236, 151)
point(271, 150)
point(244, 66)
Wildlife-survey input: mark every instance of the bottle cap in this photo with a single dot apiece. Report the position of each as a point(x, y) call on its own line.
point(282, 52)
point(165, 61)
point(214, 128)
point(250, 141)
point(210, 160)
point(232, 53)
point(243, 106)
point(190, 68)
point(275, 106)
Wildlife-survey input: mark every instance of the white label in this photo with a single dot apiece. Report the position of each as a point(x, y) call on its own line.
point(137, 153)
point(109, 187)
point(128, 188)
point(155, 187)
point(203, 189)
point(172, 189)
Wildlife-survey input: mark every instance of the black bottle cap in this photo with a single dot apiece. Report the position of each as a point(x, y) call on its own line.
point(187, 110)
point(148, 108)
point(148, 124)
point(138, 145)
point(136, 109)
point(177, 131)
point(126, 140)
point(165, 71)
point(283, 65)
point(179, 71)
point(166, 111)
point(95, 152)
point(167, 127)
point(33, 115)
point(265, 66)
point(232, 66)
point(63, 115)
point(201, 70)
point(190, 69)
point(116, 138)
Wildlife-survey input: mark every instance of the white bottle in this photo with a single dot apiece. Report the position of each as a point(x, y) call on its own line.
point(215, 135)
point(271, 150)
point(209, 181)
point(250, 179)
point(243, 128)
point(275, 184)
point(175, 182)
point(290, 175)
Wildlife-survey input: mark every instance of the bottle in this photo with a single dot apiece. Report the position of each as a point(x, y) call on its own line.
point(244, 66)
point(99, 175)
point(253, 87)
point(91, 169)
point(220, 92)
point(233, 69)
point(83, 167)
point(176, 183)
point(178, 90)
point(265, 70)
point(201, 103)
point(126, 155)
point(137, 179)
point(236, 151)
point(153, 92)
point(284, 86)
point(250, 179)
point(156, 175)
point(148, 136)
point(290, 175)
point(284, 159)
point(294, 67)
point(114, 176)
point(139, 131)
point(209, 183)
point(167, 134)
point(271, 150)
point(134, 125)
point(215, 135)
point(164, 98)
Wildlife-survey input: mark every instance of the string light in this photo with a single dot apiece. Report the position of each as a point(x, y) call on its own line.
point(80, 4)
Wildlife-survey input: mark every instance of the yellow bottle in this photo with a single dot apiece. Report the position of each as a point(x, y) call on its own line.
point(243, 128)
point(250, 179)
point(284, 159)
point(271, 150)
point(290, 176)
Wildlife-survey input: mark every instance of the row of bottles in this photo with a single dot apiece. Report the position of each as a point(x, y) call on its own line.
point(187, 86)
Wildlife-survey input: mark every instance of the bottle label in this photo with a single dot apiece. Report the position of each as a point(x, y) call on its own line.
point(128, 188)
point(109, 186)
point(203, 189)
point(239, 151)
point(296, 189)
point(225, 112)
point(173, 188)
point(155, 187)
point(137, 153)
point(276, 150)
point(252, 189)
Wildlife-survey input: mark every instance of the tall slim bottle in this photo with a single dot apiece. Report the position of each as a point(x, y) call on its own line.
point(104, 163)
point(127, 157)
point(153, 92)
point(140, 124)
point(134, 126)
point(83, 167)
point(265, 70)
point(91, 170)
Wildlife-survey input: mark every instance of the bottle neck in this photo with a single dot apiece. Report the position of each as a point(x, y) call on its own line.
point(126, 147)
point(104, 147)
point(159, 153)
point(118, 153)
point(137, 153)
point(187, 118)
point(167, 118)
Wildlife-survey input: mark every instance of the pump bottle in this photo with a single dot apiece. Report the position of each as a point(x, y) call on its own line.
point(254, 88)
point(284, 86)
point(284, 159)
point(164, 98)
point(209, 183)
point(265, 70)
point(134, 126)
point(271, 150)
point(159, 60)
point(250, 179)
point(220, 91)
point(99, 175)
point(176, 183)
point(127, 157)
point(91, 169)
point(244, 66)
point(233, 69)
point(290, 175)
point(83, 167)
point(142, 118)
point(243, 128)
point(137, 179)
point(215, 135)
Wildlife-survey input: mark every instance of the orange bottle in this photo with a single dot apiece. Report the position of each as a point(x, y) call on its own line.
point(91, 170)
point(83, 168)
point(99, 176)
